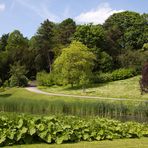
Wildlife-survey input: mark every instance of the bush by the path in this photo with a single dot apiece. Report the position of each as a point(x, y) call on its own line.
point(23, 129)
point(119, 74)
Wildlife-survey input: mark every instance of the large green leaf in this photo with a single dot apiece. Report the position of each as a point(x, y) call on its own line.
point(32, 130)
point(2, 139)
point(41, 127)
point(20, 123)
point(48, 139)
point(59, 140)
point(42, 135)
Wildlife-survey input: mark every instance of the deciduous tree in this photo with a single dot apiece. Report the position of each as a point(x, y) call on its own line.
point(74, 65)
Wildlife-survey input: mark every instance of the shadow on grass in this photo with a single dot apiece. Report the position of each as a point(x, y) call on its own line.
point(5, 95)
point(87, 87)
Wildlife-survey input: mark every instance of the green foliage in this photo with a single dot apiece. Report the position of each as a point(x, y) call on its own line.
point(121, 42)
point(103, 61)
point(132, 27)
point(101, 77)
point(90, 35)
point(17, 47)
point(122, 74)
point(3, 42)
point(21, 81)
point(18, 77)
point(4, 66)
point(45, 79)
point(119, 74)
point(133, 59)
point(74, 64)
point(44, 46)
point(66, 31)
point(6, 83)
point(23, 129)
point(145, 47)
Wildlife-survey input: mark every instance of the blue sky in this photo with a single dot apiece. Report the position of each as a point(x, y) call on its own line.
point(26, 15)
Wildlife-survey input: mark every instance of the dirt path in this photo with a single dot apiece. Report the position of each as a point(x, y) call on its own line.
point(36, 90)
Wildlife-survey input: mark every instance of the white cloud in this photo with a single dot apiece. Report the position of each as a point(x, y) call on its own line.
point(98, 15)
point(2, 7)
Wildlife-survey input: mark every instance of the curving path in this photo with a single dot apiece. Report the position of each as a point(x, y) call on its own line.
point(36, 90)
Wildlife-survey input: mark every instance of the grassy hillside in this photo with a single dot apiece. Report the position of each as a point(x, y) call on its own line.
point(128, 88)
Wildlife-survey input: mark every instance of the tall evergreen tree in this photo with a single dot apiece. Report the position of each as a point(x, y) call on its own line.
point(66, 30)
point(44, 46)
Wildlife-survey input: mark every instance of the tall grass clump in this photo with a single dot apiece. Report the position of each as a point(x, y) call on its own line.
point(111, 109)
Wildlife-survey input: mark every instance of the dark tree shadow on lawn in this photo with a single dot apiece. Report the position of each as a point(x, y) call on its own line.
point(77, 87)
point(5, 95)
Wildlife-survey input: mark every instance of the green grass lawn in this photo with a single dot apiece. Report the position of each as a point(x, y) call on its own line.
point(128, 88)
point(120, 143)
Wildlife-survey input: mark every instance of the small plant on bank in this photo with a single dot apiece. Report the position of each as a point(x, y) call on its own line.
point(18, 77)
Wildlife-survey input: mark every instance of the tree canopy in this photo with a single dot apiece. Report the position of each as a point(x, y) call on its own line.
point(121, 42)
point(74, 64)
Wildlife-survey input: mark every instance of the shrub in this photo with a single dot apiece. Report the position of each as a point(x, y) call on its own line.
point(102, 77)
point(21, 81)
point(122, 74)
point(45, 79)
point(18, 77)
point(119, 74)
point(6, 83)
point(133, 59)
point(106, 62)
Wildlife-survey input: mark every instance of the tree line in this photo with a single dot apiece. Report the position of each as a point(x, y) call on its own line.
point(121, 42)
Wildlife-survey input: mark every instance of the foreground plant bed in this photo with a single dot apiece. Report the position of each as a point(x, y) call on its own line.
point(26, 129)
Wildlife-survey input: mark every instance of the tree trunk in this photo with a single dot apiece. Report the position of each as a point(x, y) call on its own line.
point(84, 89)
point(72, 85)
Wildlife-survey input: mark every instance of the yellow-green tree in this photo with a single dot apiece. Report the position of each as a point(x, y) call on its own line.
point(74, 65)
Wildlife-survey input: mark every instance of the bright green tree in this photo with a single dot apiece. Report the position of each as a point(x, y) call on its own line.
point(74, 65)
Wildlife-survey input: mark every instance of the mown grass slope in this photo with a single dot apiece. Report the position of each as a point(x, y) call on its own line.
point(128, 88)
